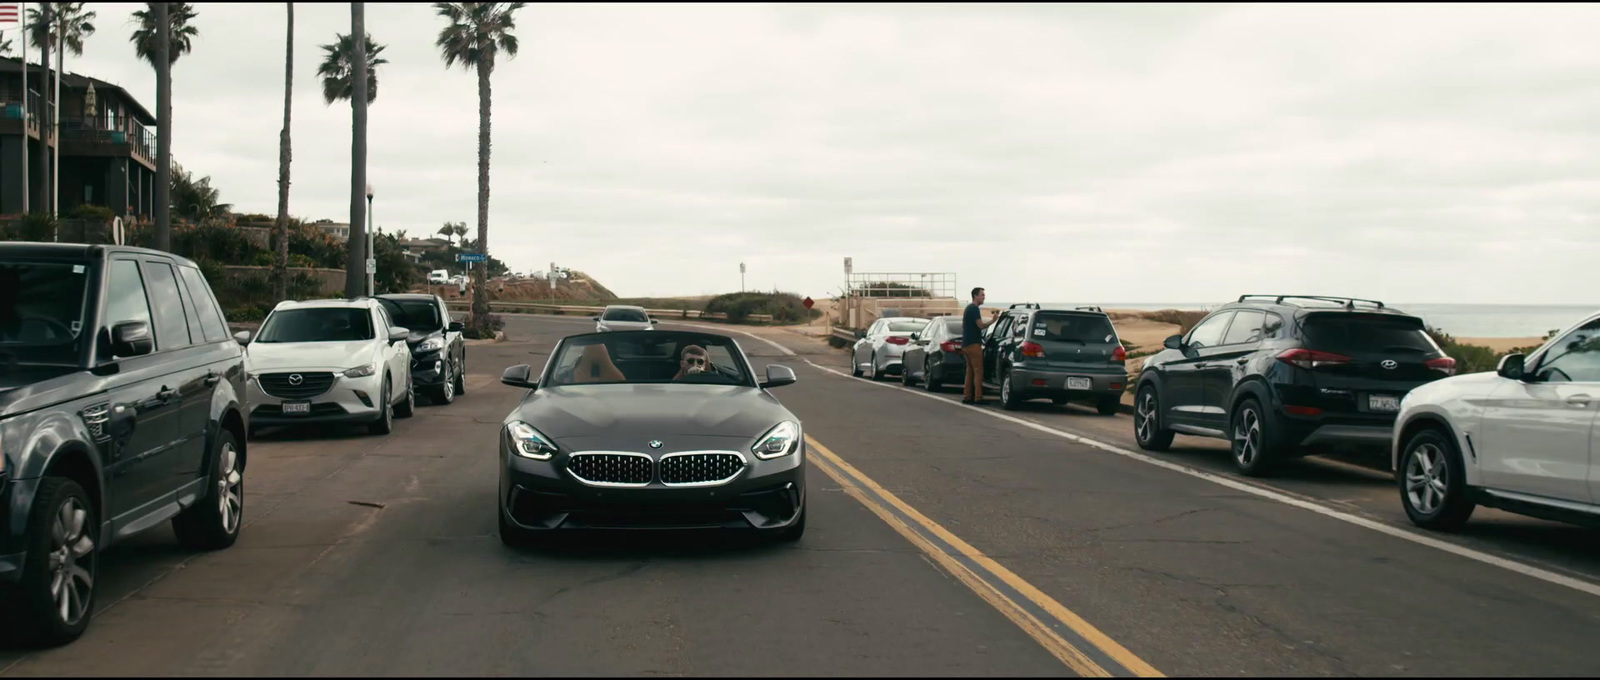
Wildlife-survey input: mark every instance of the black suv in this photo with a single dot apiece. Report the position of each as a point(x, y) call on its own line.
point(120, 407)
point(438, 352)
point(1286, 375)
point(1059, 354)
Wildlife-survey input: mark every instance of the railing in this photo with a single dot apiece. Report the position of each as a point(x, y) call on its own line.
point(537, 308)
point(140, 140)
point(38, 111)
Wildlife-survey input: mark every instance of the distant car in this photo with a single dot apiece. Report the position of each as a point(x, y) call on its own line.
point(877, 352)
point(623, 318)
point(650, 430)
point(121, 407)
point(1282, 375)
point(330, 361)
point(438, 277)
point(1058, 354)
point(1521, 439)
point(934, 356)
point(438, 352)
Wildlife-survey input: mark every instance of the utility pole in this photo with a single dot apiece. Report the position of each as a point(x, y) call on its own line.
point(163, 129)
point(741, 277)
point(55, 166)
point(354, 279)
point(22, 20)
point(372, 253)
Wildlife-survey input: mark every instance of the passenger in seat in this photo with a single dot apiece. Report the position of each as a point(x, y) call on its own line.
point(595, 367)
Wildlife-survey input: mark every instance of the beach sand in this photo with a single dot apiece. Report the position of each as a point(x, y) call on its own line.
point(1502, 345)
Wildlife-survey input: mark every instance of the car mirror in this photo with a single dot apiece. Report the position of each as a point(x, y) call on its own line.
point(916, 336)
point(242, 337)
point(518, 376)
point(1174, 342)
point(456, 326)
point(132, 339)
point(778, 376)
point(654, 321)
point(398, 334)
point(594, 318)
point(1512, 366)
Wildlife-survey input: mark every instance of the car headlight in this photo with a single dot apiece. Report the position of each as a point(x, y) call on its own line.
point(529, 442)
point(779, 441)
point(431, 345)
point(361, 371)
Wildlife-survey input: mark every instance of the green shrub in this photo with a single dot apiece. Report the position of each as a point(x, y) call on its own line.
point(93, 212)
point(739, 306)
point(35, 227)
point(1469, 358)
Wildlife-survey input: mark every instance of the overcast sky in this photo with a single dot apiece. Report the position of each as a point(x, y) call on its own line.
point(1059, 153)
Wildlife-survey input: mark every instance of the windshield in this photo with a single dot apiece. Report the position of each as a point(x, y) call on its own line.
point(42, 312)
point(908, 326)
point(417, 315)
point(641, 357)
point(1353, 333)
point(326, 324)
point(634, 315)
point(1080, 328)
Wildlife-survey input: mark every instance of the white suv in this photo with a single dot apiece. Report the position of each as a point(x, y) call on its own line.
point(1519, 439)
point(329, 361)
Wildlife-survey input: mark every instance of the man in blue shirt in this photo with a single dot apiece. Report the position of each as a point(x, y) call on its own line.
point(972, 325)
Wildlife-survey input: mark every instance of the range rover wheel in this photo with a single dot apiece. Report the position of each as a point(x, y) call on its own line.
point(1433, 485)
point(54, 599)
point(1147, 428)
point(213, 522)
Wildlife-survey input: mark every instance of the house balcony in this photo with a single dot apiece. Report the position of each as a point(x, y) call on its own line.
point(98, 137)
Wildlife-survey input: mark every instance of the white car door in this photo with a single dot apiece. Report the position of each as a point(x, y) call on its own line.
point(863, 350)
point(396, 355)
point(1537, 433)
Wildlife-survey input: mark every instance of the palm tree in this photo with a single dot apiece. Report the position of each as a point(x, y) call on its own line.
point(335, 69)
point(461, 231)
point(447, 231)
point(66, 20)
point(477, 33)
point(163, 62)
point(360, 96)
point(182, 37)
point(280, 263)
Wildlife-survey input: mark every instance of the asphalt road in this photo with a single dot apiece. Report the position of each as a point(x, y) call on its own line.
point(942, 540)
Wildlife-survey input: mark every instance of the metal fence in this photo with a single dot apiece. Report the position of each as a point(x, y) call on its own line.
point(901, 285)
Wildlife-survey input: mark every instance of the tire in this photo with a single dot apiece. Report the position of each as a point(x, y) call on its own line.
point(35, 609)
point(213, 522)
point(1451, 511)
point(461, 376)
point(877, 374)
point(1010, 399)
point(1108, 404)
point(445, 393)
point(855, 365)
point(1147, 428)
point(1256, 450)
point(793, 532)
point(408, 407)
point(385, 422)
point(930, 382)
point(905, 375)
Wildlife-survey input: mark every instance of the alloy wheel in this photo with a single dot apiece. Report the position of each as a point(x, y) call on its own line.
point(230, 494)
point(1146, 425)
point(1426, 479)
point(449, 383)
point(71, 562)
point(1247, 434)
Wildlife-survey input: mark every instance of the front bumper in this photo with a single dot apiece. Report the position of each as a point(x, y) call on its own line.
point(16, 498)
point(543, 495)
point(427, 370)
point(347, 401)
point(1051, 382)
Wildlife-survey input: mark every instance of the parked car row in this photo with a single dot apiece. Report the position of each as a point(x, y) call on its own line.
point(125, 403)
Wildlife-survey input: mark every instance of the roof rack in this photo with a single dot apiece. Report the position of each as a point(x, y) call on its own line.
point(1348, 303)
point(1025, 305)
point(1090, 309)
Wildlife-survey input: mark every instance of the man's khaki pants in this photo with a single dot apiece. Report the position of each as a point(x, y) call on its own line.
point(973, 391)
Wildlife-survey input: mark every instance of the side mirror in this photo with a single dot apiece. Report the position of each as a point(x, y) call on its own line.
point(456, 326)
point(594, 318)
point(654, 321)
point(916, 336)
point(778, 376)
point(518, 376)
point(132, 339)
point(398, 334)
point(1512, 366)
point(242, 337)
point(1174, 342)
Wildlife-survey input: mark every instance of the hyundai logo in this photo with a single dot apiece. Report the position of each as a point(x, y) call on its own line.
point(295, 379)
point(1390, 364)
point(656, 444)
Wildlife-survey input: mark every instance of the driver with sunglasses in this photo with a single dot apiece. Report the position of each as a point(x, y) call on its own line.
point(694, 361)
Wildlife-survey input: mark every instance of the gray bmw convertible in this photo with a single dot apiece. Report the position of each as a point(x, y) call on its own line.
point(650, 430)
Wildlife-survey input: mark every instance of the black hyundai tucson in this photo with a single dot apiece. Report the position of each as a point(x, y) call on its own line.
point(120, 408)
point(1286, 375)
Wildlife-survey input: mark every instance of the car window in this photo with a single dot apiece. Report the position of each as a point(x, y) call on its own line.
point(1272, 328)
point(317, 324)
point(907, 326)
point(1209, 333)
point(172, 324)
point(42, 311)
point(417, 315)
point(648, 357)
point(1343, 333)
point(1573, 358)
point(952, 326)
point(1246, 327)
point(384, 321)
point(1077, 328)
point(211, 323)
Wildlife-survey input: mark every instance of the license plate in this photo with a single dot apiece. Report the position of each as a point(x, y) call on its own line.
point(298, 407)
point(1383, 402)
point(1079, 384)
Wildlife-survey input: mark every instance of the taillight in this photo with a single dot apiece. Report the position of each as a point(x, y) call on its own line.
point(1445, 364)
point(949, 346)
point(896, 340)
point(1310, 358)
point(1032, 349)
point(1119, 354)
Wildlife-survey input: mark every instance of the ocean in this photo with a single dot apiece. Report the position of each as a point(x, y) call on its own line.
point(1460, 320)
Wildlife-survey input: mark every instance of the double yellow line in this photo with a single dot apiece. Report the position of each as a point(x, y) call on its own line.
point(1079, 645)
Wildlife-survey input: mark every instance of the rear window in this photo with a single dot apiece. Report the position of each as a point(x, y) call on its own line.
point(1081, 328)
point(906, 326)
point(1351, 333)
point(953, 325)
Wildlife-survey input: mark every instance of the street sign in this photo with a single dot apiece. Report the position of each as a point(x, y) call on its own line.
point(471, 257)
point(808, 302)
point(847, 266)
point(372, 266)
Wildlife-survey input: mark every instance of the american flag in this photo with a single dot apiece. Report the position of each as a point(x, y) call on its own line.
point(9, 11)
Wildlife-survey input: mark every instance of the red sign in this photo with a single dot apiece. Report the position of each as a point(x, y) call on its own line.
point(808, 302)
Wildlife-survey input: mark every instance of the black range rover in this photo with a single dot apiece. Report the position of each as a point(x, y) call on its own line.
point(120, 408)
point(1285, 375)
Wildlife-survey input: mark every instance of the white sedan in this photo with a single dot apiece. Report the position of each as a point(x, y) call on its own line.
point(877, 352)
point(1521, 439)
